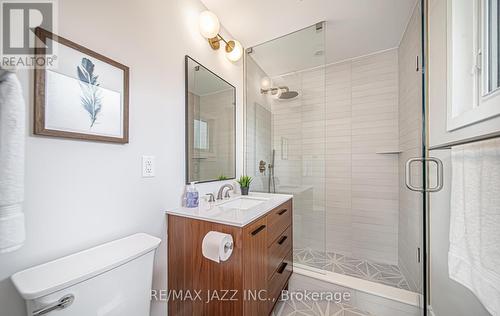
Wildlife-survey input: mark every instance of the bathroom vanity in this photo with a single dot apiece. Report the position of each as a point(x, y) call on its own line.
point(251, 280)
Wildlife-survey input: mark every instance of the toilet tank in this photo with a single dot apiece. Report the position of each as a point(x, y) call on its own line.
point(113, 279)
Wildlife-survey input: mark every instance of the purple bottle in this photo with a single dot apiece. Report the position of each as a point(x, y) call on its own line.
point(192, 196)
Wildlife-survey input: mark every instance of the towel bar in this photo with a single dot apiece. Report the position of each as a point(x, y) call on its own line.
point(466, 141)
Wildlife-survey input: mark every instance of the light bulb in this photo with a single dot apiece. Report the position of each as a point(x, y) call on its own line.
point(236, 53)
point(209, 24)
point(265, 83)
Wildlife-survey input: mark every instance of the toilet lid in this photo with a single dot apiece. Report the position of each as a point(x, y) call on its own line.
point(55, 275)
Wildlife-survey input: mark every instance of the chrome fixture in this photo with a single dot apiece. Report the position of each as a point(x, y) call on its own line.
point(211, 197)
point(439, 166)
point(228, 246)
point(221, 191)
point(271, 174)
point(282, 93)
point(62, 303)
point(262, 167)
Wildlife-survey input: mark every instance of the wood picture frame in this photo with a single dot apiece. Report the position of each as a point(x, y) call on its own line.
point(48, 90)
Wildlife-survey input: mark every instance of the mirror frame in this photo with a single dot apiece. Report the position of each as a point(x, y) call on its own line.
point(187, 58)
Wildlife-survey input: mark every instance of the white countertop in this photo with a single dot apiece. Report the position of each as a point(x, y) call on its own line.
point(232, 214)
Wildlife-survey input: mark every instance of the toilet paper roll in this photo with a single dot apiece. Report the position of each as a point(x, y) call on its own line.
point(217, 246)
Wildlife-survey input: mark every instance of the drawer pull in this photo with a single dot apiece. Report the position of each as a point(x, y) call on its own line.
point(282, 267)
point(283, 211)
point(258, 230)
point(282, 240)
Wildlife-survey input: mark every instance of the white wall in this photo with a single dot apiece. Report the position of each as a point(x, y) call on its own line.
point(438, 84)
point(80, 194)
point(447, 297)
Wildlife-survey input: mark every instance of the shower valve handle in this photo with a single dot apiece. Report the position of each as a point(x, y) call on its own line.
point(262, 167)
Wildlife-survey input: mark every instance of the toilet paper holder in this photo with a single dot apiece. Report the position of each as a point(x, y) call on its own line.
point(228, 246)
point(217, 246)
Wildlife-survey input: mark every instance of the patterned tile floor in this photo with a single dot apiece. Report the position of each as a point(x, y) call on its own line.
point(368, 270)
point(315, 308)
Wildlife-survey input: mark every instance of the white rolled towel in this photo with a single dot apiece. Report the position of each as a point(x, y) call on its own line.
point(12, 131)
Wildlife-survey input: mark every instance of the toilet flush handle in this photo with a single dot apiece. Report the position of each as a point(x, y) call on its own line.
point(63, 302)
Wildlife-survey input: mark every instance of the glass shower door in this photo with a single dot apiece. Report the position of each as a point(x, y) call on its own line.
point(286, 133)
point(337, 136)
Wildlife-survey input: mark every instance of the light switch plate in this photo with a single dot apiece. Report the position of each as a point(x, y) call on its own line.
point(148, 166)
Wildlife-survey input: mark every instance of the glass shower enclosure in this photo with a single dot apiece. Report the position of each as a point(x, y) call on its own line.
point(286, 131)
point(337, 135)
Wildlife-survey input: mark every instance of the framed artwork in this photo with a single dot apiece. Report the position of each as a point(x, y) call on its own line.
point(85, 96)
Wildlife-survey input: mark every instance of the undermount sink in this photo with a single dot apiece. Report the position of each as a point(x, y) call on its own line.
point(243, 203)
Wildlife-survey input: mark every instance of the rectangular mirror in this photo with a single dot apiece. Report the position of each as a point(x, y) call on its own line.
point(210, 125)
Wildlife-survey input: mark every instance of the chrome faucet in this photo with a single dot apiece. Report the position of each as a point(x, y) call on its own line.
point(211, 197)
point(221, 191)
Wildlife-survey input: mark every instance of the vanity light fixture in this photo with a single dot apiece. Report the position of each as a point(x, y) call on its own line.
point(209, 29)
point(209, 24)
point(236, 51)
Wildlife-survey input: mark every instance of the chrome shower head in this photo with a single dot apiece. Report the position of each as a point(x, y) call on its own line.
point(282, 93)
point(287, 95)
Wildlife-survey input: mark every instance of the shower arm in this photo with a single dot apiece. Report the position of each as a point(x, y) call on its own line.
point(274, 90)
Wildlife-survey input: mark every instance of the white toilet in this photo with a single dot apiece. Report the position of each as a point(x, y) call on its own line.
point(113, 279)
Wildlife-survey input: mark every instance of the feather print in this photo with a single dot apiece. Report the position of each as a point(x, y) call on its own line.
point(91, 97)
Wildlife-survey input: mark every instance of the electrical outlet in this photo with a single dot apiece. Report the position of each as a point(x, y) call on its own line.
point(148, 166)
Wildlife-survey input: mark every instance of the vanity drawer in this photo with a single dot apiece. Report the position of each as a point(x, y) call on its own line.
point(278, 250)
point(277, 283)
point(279, 219)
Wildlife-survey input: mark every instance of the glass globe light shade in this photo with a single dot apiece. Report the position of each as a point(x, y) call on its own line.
point(236, 53)
point(209, 24)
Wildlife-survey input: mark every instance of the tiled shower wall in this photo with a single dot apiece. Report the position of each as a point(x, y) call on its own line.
point(337, 134)
point(300, 164)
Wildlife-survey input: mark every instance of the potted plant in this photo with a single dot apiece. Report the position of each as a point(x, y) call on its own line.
point(244, 182)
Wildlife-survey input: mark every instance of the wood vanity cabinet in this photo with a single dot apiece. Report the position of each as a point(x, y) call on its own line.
point(249, 283)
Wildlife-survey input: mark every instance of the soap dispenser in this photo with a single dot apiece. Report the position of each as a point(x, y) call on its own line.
point(192, 196)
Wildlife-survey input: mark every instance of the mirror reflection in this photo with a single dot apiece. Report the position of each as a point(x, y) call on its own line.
point(210, 125)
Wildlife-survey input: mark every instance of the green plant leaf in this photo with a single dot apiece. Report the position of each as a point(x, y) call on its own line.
point(245, 181)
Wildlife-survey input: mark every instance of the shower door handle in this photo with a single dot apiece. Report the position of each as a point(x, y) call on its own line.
point(440, 177)
point(439, 174)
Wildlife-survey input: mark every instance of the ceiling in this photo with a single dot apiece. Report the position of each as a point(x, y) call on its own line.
point(353, 27)
point(306, 47)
